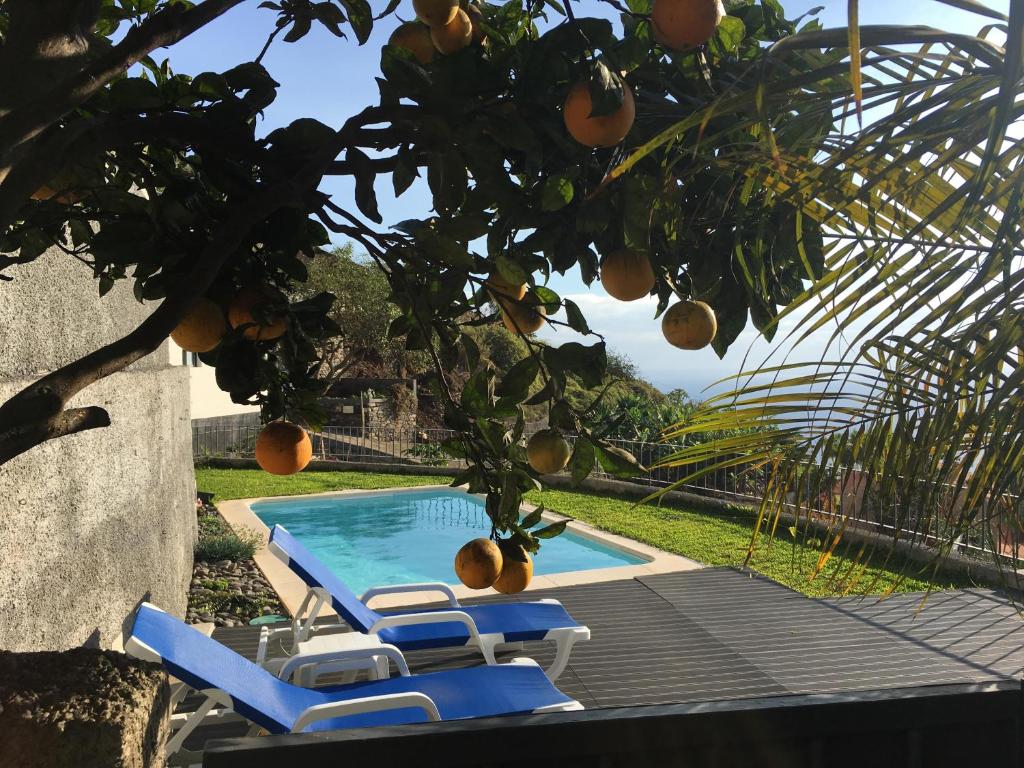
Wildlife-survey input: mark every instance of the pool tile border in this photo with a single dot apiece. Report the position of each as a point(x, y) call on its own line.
point(291, 590)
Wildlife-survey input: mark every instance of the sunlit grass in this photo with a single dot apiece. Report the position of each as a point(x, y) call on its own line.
point(250, 483)
point(709, 535)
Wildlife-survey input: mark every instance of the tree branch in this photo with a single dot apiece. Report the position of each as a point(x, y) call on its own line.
point(19, 439)
point(37, 410)
point(162, 29)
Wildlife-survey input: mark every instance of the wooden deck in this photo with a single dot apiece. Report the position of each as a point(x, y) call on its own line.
point(721, 634)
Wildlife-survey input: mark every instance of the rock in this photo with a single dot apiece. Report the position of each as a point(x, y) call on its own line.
point(85, 707)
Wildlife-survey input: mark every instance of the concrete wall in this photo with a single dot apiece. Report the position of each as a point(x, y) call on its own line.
point(93, 523)
point(206, 399)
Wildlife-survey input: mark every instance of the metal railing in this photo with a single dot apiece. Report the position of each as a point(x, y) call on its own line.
point(841, 497)
point(422, 447)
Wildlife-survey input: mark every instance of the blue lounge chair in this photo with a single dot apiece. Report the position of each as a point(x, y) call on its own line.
point(244, 688)
point(483, 626)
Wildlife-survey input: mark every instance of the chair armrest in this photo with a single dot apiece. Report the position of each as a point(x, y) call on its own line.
point(334, 709)
point(428, 617)
point(428, 586)
point(347, 654)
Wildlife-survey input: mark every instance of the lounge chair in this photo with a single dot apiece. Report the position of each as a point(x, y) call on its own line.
point(241, 687)
point(484, 626)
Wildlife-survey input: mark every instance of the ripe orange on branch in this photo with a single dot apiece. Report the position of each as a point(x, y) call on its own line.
point(689, 325)
point(627, 274)
point(241, 313)
point(415, 38)
point(525, 316)
point(680, 24)
point(455, 35)
point(516, 573)
point(547, 451)
point(435, 12)
point(504, 292)
point(478, 563)
point(476, 17)
point(202, 327)
point(600, 130)
point(283, 448)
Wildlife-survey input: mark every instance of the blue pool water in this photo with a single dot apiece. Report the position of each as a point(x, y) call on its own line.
point(395, 538)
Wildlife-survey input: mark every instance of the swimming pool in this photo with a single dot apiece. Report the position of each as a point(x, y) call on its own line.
point(412, 536)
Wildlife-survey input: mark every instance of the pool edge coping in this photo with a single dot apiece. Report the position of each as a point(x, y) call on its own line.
point(291, 590)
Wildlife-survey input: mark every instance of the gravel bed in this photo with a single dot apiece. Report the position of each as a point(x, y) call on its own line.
point(227, 593)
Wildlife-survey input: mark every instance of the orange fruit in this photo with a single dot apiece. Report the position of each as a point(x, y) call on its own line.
point(455, 35)
point(603, 131)
point(202, 327)
point(478, 563)
point(241, 313)
point(283, 448)
point(526, 316)
point(627, 274)
point(547, 451)
point(476, 16)
point(689, 325)
point(515, 574)
point(680, 24)
point(415, 38)
point(435, 12)
point(503, 292)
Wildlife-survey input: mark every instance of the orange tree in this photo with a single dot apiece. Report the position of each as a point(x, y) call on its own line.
point(165, 181)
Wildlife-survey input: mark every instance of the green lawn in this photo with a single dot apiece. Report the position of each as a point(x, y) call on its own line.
point(706, 534)
point(250, 483)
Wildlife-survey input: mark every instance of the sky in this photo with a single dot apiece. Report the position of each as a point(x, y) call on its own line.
point(331, 79)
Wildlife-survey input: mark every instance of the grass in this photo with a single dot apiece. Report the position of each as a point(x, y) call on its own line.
point(227, 484)
point(706, 534)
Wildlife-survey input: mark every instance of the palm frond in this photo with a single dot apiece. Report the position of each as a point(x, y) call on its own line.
point(912, 422)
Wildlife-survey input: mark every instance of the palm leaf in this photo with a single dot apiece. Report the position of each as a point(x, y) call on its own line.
point(912, 423)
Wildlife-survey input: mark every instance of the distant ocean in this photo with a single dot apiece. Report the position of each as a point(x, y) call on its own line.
point(694, 382)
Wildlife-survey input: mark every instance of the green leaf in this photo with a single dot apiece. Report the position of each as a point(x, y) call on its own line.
point(405, 172)
point(589, 363)
point(618, 462)
point(360, 17)
point(607, 90)
point(517, 381)
point(299, 29)
point(582, 461)
point(366, 197)
point(574, 316)
point(550, 531)
point(557, 193)
point(727, 38)
point(533, 518)
point(551, 300)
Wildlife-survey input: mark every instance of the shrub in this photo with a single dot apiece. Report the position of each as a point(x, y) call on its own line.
point(226, 544)
point(430, 454)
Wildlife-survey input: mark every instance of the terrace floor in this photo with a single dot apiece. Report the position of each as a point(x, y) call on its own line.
point(719, 633)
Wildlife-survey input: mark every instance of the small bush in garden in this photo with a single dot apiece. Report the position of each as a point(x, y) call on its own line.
point(212, 525)
point(227, 545)
point(430, 454)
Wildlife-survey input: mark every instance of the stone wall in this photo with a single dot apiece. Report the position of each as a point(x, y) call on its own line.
point(92, 523)
point(377, 413)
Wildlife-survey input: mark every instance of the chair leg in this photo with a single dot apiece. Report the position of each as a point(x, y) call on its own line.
point(563, 649)
point(487, 645)
point(175, 742)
